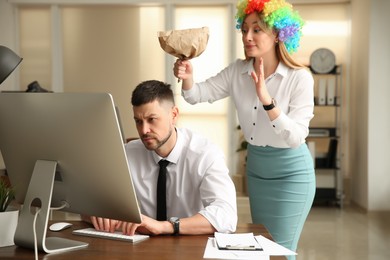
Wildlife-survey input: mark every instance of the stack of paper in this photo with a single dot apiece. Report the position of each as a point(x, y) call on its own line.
point(268, 247)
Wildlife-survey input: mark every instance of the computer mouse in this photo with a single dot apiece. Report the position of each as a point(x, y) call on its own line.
point(59, 226)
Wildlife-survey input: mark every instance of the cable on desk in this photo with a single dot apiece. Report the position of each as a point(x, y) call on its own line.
point(64, 205)
point(35, 234)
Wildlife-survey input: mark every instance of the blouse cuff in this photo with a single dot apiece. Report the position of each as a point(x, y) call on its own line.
point(188, 93)
point(280, 123)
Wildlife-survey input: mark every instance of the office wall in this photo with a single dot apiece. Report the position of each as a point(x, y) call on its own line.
point(101, 48)
point(102, 53)
point(359, 102)
point(370, 92)
point(378, 115)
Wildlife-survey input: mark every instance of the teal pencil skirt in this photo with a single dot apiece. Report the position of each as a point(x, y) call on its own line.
point(281, 187)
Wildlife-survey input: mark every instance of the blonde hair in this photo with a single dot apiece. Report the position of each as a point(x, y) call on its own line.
point(286, 58)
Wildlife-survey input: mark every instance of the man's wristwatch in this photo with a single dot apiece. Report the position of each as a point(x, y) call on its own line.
point(175, 221)
point(270, 106)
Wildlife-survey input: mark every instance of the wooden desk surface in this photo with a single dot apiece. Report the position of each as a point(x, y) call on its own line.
point(159, 247)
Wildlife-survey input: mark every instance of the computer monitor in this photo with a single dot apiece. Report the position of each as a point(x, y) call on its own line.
point(64, 149)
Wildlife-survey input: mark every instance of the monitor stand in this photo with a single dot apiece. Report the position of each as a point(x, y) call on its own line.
point(40, 192)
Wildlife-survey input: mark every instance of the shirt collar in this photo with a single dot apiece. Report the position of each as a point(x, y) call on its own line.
point(282, 69)
point(174, 155)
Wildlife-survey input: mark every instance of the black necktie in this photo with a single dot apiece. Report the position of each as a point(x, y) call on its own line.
point(161, 191)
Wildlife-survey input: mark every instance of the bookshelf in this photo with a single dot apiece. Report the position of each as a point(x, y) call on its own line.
point(325, 137)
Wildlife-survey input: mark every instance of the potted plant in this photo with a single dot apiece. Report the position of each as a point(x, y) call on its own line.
point(243, 142)
point(8, 215)
point(240, 177)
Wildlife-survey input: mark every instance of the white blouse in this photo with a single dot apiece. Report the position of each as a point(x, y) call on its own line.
point(292, 89)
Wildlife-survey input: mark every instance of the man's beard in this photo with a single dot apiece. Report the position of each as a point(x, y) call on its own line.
point(159, 142)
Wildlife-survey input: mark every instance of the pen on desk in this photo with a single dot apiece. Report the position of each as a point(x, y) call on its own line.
point(238, 247)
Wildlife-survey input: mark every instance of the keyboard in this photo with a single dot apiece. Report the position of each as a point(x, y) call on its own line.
point(116, 235)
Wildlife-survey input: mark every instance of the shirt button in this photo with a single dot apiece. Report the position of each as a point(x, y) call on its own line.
point(251, 138)
point(273, 125)
point(254, 123)
point(255, 107)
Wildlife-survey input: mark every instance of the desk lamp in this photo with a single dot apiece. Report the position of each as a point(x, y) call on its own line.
point(9, 60)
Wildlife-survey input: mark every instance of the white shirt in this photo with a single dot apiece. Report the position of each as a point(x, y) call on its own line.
point(292, 89)
point(198, 180)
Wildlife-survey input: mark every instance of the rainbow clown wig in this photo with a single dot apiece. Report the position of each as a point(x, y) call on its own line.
point(278, 15)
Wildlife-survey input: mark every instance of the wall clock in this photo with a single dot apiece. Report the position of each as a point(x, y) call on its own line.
point(322, 61)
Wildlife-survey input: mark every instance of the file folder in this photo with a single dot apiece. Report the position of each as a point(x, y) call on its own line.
point(322, 91)
point(331, 89)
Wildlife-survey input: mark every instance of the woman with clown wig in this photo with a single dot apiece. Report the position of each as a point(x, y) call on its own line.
point(273, 95)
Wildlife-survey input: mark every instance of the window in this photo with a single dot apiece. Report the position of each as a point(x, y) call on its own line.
point(210, 120)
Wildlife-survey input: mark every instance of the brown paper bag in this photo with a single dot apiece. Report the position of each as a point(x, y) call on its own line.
point(184, 44)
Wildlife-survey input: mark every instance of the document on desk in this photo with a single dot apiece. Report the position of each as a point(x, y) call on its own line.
point(269, 247)
point(242, 241)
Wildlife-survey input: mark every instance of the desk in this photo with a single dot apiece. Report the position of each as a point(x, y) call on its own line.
point(158, 247)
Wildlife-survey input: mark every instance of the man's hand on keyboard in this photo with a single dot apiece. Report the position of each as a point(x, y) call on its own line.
point(105, 224)
point(148, 226)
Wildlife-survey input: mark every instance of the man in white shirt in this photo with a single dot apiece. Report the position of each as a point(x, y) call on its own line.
point(200, 195)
